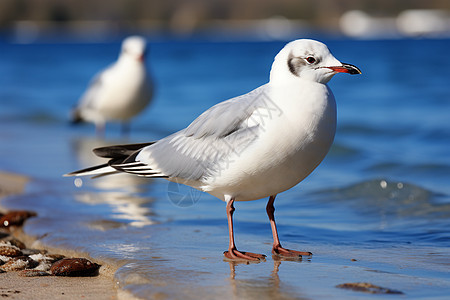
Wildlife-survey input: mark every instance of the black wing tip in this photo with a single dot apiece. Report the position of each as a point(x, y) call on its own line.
point(108, 152)
point(75, 117)
point(119, 151)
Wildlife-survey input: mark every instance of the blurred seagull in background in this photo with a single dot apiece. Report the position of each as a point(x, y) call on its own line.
point(250, 147)
point(119, 92)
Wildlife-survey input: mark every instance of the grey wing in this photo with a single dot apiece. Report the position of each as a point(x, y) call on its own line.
point(210, 141)
point(225, 117)
point(87, 100)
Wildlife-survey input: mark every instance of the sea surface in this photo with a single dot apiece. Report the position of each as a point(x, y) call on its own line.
point(376, 210)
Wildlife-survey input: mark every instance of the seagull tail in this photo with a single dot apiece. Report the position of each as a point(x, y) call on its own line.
point(75, 116)
point(118, 154)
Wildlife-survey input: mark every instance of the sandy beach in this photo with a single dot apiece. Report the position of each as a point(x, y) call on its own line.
point(17, 287)
point(13, 286)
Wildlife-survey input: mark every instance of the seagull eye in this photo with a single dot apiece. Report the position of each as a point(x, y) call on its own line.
point(310, 59)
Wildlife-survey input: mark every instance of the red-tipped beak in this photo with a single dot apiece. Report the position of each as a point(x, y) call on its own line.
point(346, 68)
point(142, 56)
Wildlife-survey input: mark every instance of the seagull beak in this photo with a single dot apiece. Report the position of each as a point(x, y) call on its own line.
point(346, 68)
point(142, 57)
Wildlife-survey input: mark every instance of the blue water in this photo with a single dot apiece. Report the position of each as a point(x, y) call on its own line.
point(381, 196)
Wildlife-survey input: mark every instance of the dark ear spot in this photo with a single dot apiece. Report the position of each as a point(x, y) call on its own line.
point(295, 64)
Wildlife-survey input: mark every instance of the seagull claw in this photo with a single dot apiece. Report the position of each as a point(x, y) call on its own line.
point(287, 253)
point(234, 254)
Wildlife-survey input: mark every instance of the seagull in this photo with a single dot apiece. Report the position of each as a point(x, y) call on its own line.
point(119, 92)
point(249, 147)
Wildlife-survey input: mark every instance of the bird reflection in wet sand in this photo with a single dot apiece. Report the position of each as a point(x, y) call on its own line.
point(271, 286)
point(250, 147)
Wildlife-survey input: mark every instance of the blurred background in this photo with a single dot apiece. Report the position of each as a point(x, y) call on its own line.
point(27, 20)
point(383, 187)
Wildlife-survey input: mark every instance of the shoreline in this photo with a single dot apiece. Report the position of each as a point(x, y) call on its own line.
point(13, 286)
point(344, 270)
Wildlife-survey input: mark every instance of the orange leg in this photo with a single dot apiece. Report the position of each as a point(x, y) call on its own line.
point(277, 249)
point(232, 252)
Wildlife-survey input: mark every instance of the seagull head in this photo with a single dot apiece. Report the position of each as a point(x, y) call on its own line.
point(310, 60)
point(134, 47)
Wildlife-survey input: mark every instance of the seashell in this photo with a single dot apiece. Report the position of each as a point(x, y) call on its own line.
point(55, 257)
point(9, 250)
point(39, 257)
point(17, 243)
point(18, 263)
point(4, 259)
point(15, 218)
point(43, 266)
point(367, 287)
point(74, 267)
point(33, 273)
point(45, 261)
point(14, 242)
point(33, 251)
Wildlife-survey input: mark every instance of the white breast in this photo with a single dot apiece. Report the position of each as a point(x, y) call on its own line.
point(125, 92)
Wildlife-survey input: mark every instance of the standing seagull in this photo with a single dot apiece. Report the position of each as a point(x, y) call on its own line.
point(250, 147)
point(119, 92)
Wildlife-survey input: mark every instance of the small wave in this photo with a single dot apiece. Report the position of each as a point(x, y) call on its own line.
point(373, 130)
point(341, 151)
point(391, 199)
point(428, 170)
point(436, 134)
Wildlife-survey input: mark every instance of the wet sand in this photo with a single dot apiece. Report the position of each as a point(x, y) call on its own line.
point(13, 286)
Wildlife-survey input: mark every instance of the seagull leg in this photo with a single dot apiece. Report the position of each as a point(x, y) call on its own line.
point(232, 252)
point(277, 249)
point(100, 129)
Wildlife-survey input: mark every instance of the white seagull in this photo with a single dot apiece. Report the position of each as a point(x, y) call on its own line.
point(119, 92)
point(249, 147)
